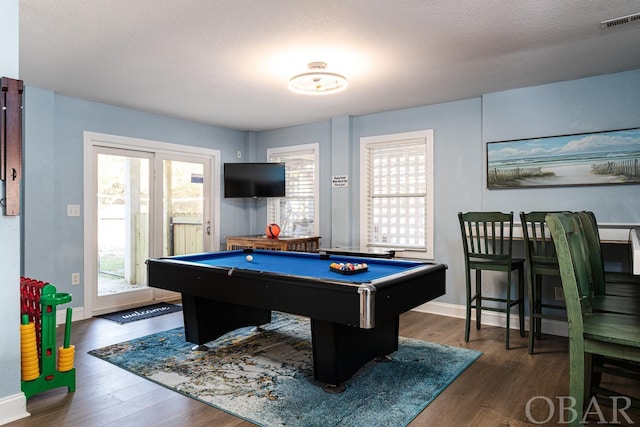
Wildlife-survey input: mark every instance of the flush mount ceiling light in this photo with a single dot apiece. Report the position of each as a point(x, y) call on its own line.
point(317, 81)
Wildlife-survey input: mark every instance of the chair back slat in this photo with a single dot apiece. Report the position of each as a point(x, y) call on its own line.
point(574, 264)
point(487, 235)
point(592, 236)
point(539, 248)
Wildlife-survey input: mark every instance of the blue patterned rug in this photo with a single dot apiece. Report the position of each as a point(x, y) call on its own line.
point(266, 377)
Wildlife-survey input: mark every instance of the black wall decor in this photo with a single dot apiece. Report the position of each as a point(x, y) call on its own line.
point(11, 143)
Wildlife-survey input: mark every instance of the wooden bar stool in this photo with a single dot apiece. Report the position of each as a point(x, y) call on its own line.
point(487, 245)
point(542, 271)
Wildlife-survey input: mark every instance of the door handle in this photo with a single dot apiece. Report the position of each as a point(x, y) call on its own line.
point(208, 228)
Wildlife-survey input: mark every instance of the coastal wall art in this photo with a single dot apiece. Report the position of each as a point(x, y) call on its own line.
point(597, 158)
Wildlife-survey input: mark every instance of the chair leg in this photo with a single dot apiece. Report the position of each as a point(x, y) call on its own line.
point(478, 298)
point(521, 300)
point(597, 360)
point(467, 323)
point(577, 377)
point(538, 308)
point(508, 309)
point(588, 369)
point(532, 311)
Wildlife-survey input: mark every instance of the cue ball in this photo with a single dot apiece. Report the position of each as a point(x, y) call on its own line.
point(249, 258)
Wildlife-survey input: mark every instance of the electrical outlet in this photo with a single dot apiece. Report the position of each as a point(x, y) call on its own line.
point(75, 278)
point(239, 154)
point(73, 210)
point(559, 293)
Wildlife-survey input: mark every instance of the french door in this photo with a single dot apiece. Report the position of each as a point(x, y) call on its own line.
point(145, 204)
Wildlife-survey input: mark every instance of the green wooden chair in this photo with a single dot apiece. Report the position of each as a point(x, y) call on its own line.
point(606, 283)
point(625, 298)
point(604, 302)
point(590, 333)
point(540, 255)
point(487, 245)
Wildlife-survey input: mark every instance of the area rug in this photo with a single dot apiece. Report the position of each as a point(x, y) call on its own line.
point(153, 310)
point(265, 376)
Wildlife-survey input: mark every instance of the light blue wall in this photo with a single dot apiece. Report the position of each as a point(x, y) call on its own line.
point(587, 105)
point(54, 127)
point(9, 236)
point(341, 165)
point(461, 131)
point(40, 257)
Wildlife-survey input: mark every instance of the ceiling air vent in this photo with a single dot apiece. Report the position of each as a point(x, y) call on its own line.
point(620, 21)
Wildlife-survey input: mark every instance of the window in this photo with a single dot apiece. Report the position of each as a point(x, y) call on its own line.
point(396, 197)
point(297, 213)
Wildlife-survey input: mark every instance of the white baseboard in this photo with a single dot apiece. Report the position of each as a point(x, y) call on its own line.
point(13, 408)
point(76, 314)
point(491, 318)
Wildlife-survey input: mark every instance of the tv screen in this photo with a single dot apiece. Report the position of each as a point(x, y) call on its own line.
point(254, 180)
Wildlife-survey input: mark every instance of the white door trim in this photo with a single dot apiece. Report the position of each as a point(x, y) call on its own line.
point(92, 139)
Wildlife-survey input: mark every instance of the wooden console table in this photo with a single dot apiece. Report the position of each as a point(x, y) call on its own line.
point(282, 243)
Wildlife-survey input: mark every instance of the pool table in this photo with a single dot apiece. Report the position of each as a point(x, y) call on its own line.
point(354, 317)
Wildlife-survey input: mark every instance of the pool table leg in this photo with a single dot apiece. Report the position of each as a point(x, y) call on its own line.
point(339, 351)
point(206, 320)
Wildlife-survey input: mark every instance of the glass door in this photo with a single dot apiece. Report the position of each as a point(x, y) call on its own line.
point(123, 206)
point(147, 205)
point(186, 228)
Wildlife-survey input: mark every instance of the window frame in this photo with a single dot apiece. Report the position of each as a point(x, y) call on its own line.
point(273, 205)
point(398, 139)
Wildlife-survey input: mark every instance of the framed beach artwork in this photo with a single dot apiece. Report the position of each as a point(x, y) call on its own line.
point(598, 158)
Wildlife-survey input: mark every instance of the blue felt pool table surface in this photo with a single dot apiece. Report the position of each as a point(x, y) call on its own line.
point(302, 264)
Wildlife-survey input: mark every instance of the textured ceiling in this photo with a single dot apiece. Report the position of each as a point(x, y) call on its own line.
point(227, 62)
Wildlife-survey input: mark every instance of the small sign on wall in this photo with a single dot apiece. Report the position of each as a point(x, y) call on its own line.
point(340, 181)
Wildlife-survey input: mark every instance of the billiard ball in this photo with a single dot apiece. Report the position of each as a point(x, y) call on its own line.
point(249, 258)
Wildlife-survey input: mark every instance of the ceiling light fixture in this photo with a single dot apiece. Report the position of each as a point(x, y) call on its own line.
point(317, 81)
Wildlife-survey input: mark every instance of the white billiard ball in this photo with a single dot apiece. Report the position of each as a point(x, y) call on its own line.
point(249, 258)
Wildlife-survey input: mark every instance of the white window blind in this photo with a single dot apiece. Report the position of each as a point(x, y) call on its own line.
point(297, 212)
point(397, 193)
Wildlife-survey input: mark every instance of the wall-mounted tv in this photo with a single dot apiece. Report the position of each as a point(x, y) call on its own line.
point(254, 180)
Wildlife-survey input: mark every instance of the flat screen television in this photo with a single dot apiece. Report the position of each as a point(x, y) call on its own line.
point(254, 180)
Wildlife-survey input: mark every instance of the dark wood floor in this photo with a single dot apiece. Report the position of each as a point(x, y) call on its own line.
point(494, 391)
